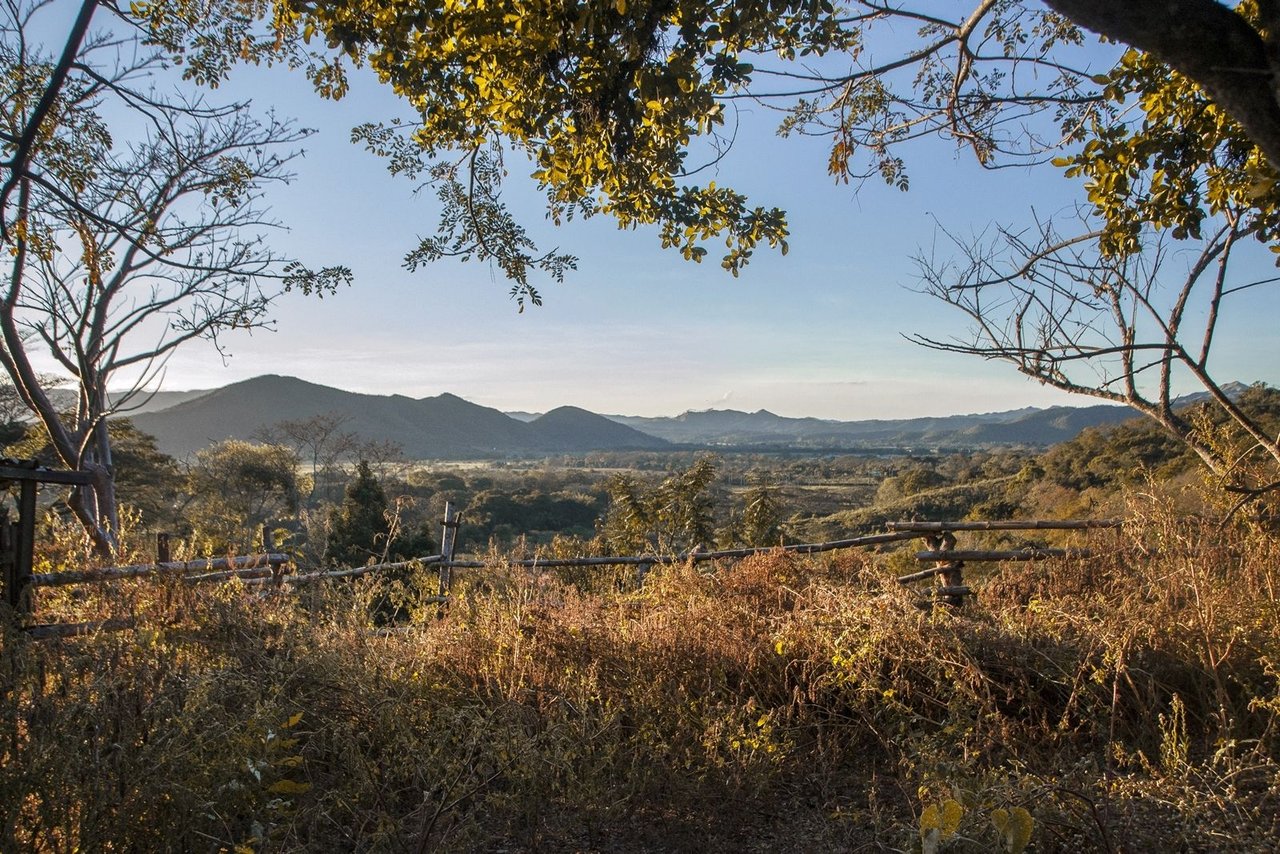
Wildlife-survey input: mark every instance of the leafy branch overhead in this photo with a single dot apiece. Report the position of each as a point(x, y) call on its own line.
point(616, 106)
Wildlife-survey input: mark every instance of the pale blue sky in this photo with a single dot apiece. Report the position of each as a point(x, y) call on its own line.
point(636, 330)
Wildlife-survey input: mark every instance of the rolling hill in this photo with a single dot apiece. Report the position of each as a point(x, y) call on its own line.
point(445, 426)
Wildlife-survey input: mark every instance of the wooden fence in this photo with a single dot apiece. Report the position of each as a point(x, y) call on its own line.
point(17, 537)
point(948, 561)
point(272, 567)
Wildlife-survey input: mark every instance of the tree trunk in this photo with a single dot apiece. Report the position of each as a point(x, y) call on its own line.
point(1206, 41)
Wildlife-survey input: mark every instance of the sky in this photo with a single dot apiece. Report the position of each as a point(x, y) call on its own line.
point(635, 329)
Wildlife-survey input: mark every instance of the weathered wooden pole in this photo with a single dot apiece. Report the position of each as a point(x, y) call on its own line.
point(1005, 525)
point(9, 558)
point(448, 542)
point(22, 540)
point(950, 572)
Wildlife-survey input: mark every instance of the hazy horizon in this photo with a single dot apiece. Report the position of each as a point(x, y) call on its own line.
point(1066, 401)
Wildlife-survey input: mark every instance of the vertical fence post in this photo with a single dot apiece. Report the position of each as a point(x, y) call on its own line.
point(950, 572)
point(22, 536)
point(9, 557)
point(448, 542)
point(163, 555)
point(269, 548)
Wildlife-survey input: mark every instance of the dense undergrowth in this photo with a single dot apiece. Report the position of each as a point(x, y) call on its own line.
point(774, 704)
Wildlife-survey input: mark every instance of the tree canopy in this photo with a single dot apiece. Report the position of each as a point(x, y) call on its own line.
point(619, 108)
point(618, 105)
point(237, 486)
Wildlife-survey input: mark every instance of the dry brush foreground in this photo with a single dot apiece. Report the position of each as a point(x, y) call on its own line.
point(774, 704)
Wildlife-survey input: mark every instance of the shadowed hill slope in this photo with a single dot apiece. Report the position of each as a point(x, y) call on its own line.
point(569, 428)
point(433, 427)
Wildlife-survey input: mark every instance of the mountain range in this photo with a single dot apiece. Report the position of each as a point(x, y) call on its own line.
point(448, 427)
point(1016, 427)
point(445, 426)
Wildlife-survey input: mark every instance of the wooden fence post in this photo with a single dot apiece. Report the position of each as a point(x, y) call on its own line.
point(268, 548)
point(163, 555)
point(950, 572)
point(9, 557)
point(22, 540)
point(448, 542)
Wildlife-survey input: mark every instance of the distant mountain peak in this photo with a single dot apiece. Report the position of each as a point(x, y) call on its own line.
point(445, 426)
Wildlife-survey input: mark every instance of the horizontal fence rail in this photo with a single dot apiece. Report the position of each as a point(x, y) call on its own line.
point(215, 569)
point(695, 556)
point(979, 555)
point(615, 560)
point(271, 567)
point(357, 571)
point(1006, 525)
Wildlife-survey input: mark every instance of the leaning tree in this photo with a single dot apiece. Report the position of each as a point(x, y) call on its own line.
point(132, 224)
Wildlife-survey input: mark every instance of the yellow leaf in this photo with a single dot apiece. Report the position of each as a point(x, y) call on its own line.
point(288, 787)
point(1014, 827)
point(292, 722)
point(1019, 835)
point(952, 812)
point(621, 6)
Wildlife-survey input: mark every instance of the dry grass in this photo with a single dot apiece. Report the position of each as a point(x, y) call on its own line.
point(776, 704)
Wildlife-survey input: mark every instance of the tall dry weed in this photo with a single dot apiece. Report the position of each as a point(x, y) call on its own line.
point(1128, 702)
